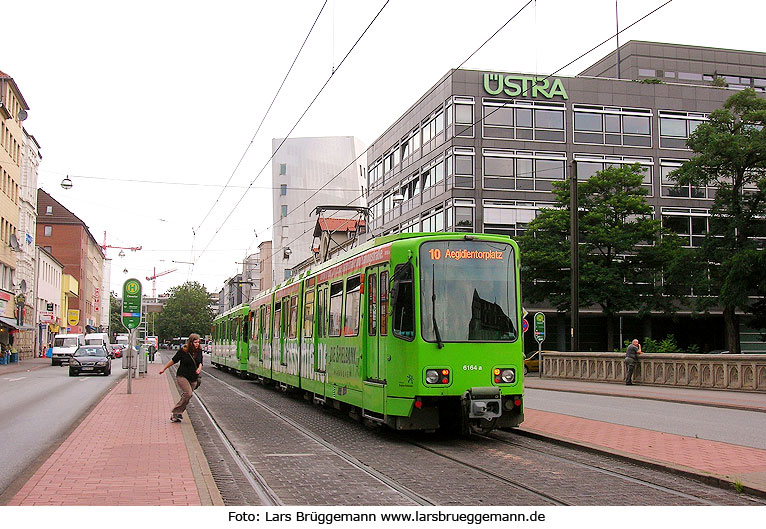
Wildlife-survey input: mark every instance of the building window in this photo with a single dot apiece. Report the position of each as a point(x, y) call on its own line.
point(462, 214)
point(375, 174)
point(630, 127)
point(689, 224)
point(48, 231)
point(463, 114)
point(460, 168)
point(589, 164)
point(506, 119)
point(669, 188)
point(283, 211)
point(675, 127)
point(283, 169)
point(511, 218)
point(522, 171)
point(49, 210)
point(433, 221)
point(433, 131)
point(283, 189)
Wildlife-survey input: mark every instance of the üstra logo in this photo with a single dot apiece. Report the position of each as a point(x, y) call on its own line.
point(525, 86)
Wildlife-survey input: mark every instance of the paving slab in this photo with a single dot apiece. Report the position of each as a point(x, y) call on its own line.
point(126, 452)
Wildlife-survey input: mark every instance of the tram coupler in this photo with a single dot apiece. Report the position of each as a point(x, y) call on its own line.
point(482, 403)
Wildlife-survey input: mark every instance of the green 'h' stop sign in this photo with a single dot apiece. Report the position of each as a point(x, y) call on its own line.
point(131, 303)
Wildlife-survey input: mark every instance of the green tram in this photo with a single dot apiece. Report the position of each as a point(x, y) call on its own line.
point(417, 331)
point(230, 339)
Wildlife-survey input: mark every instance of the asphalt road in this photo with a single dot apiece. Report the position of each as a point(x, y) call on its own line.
point(38, 407)
point(738, 427)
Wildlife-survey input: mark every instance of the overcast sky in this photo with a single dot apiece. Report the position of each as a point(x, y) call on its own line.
point(170, 93)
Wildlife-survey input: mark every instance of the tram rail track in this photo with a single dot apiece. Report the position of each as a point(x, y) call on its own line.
point(411, 495)
point(467, 454)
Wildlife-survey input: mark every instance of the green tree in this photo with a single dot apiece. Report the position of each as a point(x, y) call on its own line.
point(115, 316)
point(623, 252)
point(731, 157)
point(187, 311)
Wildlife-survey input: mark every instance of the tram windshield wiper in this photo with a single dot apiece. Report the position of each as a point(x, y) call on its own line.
point(439, 343)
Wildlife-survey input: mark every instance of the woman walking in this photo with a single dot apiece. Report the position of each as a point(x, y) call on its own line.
point(189, 358)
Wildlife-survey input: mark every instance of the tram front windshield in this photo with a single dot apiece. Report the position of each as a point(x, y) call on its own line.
point(467, 291)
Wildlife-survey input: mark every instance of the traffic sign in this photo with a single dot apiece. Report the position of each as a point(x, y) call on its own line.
point(131, 303)
point(539, 327)
point(524, 325)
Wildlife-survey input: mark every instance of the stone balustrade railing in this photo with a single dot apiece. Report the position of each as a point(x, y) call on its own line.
point(731, 372)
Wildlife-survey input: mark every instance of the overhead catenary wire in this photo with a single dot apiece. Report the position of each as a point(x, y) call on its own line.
point(263, 119)
point(335, 70)
point(426, 95)
point(478, 121)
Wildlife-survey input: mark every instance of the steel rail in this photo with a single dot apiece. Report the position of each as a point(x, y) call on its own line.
point(351, 460)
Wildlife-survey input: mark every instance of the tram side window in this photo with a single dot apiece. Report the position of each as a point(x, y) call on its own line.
point(308, 315)
point(322, 312)
point(336, 302)
point(403, 298)
point(245, 327)
point(277, 320)
point(266, 321)
point(292, 329)
point(384, 303)
point(254, 321)
point(353, 295)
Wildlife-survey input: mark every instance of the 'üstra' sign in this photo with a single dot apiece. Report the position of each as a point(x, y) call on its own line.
point(525, 86)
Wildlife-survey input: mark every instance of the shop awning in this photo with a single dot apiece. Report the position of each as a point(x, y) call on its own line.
point(10, 322)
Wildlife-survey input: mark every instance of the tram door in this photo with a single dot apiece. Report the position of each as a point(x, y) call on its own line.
point(376, 287)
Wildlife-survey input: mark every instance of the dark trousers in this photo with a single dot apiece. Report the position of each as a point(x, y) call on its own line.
point(186, 395)
point(630, 366)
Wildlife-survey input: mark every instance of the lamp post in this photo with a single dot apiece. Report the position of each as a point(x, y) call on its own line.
point(574, 240)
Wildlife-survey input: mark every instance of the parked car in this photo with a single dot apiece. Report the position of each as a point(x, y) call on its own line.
point(90, 359)
point(532, 362)
point(117, 350)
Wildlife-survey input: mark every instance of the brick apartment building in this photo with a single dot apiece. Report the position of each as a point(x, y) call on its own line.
point(66, 237)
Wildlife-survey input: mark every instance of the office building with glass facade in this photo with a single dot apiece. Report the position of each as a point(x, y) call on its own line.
point(480, 150)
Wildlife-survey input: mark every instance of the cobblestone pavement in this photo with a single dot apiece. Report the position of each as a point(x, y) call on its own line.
point(301, 473)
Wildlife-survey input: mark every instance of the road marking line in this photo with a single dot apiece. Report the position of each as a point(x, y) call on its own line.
point(15, 379)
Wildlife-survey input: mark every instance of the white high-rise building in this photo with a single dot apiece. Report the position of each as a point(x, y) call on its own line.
point(299, 169)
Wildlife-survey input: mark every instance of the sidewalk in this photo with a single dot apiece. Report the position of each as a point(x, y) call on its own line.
point(126, 452)
point(26, 364)
point(712, 461)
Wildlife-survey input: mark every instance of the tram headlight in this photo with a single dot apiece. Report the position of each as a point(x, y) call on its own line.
point(504, 376)
point(432, 376)
point(508, 376)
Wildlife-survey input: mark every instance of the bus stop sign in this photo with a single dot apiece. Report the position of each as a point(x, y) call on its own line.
point(131, 303)
point(539, 327)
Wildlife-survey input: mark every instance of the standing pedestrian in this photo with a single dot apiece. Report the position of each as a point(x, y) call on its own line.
point(189, 359)
point(631, 359)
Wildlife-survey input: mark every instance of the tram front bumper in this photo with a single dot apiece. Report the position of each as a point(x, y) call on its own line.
point(483, 403)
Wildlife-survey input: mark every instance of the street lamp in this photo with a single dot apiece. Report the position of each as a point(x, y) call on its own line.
point(66, 183)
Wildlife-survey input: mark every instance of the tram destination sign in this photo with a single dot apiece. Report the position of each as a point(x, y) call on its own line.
point(131, 303)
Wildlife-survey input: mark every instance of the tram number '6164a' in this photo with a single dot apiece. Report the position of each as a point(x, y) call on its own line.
point(471, 368)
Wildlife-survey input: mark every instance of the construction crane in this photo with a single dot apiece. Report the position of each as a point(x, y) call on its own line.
point(122, 254)
point(154, 277)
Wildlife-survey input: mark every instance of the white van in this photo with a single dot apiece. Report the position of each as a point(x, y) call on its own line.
point(99, 338)
point(64, 346)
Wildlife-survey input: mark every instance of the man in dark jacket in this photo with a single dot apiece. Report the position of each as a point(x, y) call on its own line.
point(631, 359)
